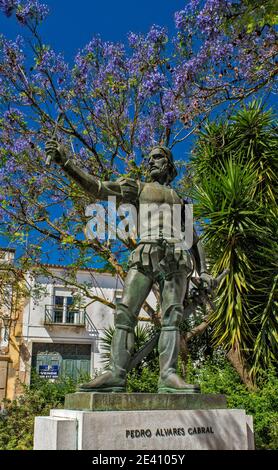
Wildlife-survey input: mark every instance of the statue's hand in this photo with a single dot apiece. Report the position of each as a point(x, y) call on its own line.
point(55, 151)
point(208, 281)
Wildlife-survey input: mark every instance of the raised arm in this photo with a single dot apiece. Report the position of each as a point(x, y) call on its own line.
point(92, 185)
point(87, 182)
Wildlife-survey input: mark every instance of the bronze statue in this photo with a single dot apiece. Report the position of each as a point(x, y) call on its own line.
point(156, 259)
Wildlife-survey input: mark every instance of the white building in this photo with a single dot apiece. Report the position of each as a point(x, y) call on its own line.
point(59, 335)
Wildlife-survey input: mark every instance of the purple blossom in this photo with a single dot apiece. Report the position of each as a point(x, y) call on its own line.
point(8, 6)
point(25, 10)
point(41, 179)
point(183, 73)
point(99, 108)
point(10, 166)
point(133, 39)
point(169, 118)
point(210, 17)
point(32, 10)
point(111, 50)
point(104, 85)
point(18, 146)
point(100, 67)
point(82, 63)
point(149, 127)
point(217, 50)
point(147, 50)
point(13, 115)
point(143, 135)
point(183, 17)
point(83, 153)
point(157, 34)
point(153, 82)
point(43, 81)
point(12, 54)
point(2, 86)
point(51, 62)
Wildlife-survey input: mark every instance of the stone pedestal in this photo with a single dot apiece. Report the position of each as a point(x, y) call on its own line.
point(143, 401)
point(106, 421)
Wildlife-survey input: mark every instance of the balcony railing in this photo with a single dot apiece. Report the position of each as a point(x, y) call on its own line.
point(69, 317)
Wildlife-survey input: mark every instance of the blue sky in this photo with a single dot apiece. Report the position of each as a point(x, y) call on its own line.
point(71, 24)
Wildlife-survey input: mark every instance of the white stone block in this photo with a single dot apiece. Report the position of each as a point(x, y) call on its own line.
point(221, 429)
point(250, 432)
point(55, 433)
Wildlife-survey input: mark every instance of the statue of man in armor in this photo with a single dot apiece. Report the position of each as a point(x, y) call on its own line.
point(157, 258)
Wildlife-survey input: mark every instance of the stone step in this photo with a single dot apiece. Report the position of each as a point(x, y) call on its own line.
point(143, 401)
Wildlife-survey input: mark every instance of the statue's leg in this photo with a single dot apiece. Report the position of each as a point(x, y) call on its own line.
point(172, 293)
point(136, 289)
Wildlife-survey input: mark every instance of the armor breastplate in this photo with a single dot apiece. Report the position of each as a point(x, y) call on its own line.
point(159, 213)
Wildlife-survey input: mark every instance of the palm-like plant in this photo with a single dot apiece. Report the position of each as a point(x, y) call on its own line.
point(235, 188)
point(142, 334)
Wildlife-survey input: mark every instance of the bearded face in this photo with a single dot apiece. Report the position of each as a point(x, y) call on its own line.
point(158, 165)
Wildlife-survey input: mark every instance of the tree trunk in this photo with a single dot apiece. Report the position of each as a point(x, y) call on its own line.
point(198, 330)
point(237, 362)
point(233, 355)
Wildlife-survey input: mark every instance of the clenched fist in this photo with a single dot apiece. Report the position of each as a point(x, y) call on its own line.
point(55, 151)
point(208, 281)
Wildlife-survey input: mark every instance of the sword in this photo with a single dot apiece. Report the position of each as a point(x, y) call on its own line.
point(57, 122)
point(198, 296)
point(144, 351)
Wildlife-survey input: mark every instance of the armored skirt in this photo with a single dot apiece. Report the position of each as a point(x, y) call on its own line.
point(159, 260)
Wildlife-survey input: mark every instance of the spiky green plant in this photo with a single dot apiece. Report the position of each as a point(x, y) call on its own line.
point(142, 334)
point(235, 167)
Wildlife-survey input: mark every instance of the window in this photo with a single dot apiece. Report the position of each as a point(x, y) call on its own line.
point(58, 309)
point(65, 311)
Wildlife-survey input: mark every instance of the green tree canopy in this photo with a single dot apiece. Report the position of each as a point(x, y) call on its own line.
point(235, 185)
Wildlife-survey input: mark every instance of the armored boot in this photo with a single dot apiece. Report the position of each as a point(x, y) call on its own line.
point(168, 347)
point(114, 380)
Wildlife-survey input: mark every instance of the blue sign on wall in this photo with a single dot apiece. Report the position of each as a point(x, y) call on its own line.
point(49, 372)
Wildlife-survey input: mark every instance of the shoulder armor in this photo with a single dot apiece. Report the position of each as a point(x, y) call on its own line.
point(129, 189)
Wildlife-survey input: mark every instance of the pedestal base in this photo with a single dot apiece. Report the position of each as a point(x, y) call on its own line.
point(143, 401)
point(105, 421)
point(143, 430)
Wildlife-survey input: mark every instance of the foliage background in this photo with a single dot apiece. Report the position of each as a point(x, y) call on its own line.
point(118, 100)
point(215, 376)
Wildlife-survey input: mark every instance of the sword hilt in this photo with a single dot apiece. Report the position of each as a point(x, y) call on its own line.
point(200, 294)
point(221, 276)
point(48, 160)
point(197, 281)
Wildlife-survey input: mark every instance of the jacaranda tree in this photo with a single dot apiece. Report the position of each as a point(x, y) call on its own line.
point(114, 101)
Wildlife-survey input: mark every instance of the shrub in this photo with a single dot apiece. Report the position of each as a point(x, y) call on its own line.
point(215, 375)
point(17, 417)
point(218, 376)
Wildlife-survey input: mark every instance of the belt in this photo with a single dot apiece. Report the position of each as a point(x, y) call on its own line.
point(159, 241)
